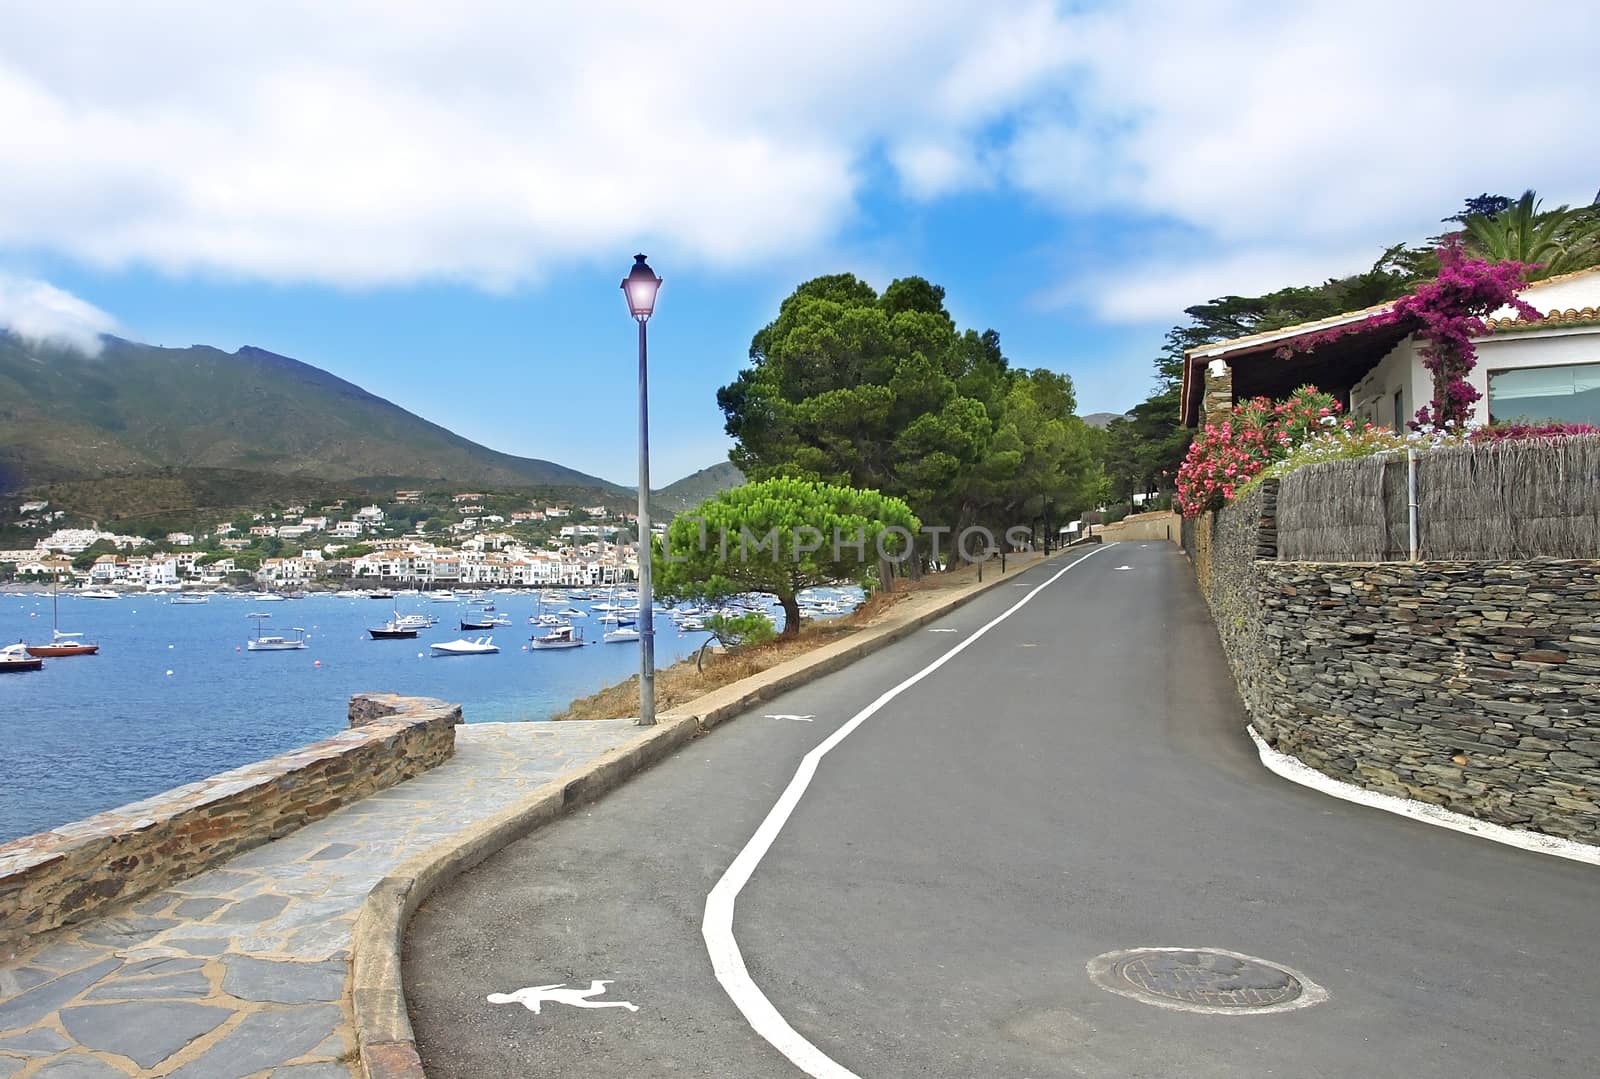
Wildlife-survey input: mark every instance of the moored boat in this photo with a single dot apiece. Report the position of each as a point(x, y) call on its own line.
point(264, 642)
point(61, 644)
point(561, 637)
point(14, 659)
point(620, 635)
point(477, 646)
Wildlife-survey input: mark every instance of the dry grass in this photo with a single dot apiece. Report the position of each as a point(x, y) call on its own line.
point(680, 683)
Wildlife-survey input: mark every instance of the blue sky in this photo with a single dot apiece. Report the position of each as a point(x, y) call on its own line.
point(439, 207)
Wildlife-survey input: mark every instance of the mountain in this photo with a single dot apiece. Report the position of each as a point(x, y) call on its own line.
point(135, 409)
point(694, 489)
point(1100, 419)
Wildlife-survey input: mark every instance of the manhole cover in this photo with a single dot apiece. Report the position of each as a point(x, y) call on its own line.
point(1207, 980)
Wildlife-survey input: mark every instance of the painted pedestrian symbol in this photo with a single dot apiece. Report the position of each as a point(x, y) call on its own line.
point(784, 715)
point(535, 995)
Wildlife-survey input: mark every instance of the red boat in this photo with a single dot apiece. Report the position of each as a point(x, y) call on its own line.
point(61, 644)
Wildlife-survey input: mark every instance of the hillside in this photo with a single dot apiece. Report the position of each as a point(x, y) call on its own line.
point(138, 409)
point(694, 489)
point(1100, 419)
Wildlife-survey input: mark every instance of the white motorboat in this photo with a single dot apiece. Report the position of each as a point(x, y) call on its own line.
point(98, 593)
point(445, 596)
point(267, 642)
point(561, 637)
point(549, 621)
point(572, 612)
point(415, 621)
point(620, 635)
point(14, 659)
point(477, 646)
point(183, 599)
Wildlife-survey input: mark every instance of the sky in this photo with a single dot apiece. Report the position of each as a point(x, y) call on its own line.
point(438, 202)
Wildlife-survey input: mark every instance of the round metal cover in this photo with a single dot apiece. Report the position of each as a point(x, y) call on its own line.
point(1209, 980)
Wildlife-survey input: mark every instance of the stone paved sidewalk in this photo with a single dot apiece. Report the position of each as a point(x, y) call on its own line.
point(239, 973)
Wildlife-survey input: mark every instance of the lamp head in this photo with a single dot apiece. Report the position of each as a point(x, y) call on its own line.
point(639, 288)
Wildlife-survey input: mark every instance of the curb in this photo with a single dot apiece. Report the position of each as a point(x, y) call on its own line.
point(387, 1044)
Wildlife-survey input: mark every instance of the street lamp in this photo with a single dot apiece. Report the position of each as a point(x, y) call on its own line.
point(639, 288)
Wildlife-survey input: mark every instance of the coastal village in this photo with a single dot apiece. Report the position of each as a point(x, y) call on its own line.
point(465, 539)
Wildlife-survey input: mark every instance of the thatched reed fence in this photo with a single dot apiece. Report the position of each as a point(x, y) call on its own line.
point(1538, 498)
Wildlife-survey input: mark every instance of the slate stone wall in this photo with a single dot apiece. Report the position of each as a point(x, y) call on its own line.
point(71, 872)
point(1471, 685)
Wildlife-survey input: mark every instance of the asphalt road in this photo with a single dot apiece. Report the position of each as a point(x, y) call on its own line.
point(1075, 781)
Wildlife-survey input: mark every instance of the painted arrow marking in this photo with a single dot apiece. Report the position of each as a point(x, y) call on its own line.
point(801, 719)
point(535, 995)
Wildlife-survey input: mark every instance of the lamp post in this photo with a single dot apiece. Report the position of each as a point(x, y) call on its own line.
point(639, 288)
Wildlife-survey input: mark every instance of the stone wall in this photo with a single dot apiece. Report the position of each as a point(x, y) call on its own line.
point(1471, 685)
point(71, 872)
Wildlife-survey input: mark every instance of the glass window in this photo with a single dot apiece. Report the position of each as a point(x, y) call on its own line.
point(1569, 394)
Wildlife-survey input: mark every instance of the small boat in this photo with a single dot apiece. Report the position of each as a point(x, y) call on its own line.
point(491, 622)
point(560, 637)
point(268, 597)
point(416, 621)
point(616, 620)
point(478, 646)
point(620, 635)
point(380, 595)
point(186, 598)
point(393, 631)
point(14, 659)
point(443, 597)
point(98, 593)
point(262, 642)
point(61, 644)
point(573, 612)
point(549, 621)
point(396, 629)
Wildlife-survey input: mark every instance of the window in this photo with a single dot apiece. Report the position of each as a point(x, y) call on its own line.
point(1569, 394)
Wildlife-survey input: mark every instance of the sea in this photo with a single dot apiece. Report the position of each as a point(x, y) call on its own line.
point(175, 696)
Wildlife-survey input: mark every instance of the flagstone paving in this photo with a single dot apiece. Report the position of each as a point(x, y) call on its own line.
point(239, 973)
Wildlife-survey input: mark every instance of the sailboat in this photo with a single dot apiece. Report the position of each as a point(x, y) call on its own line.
point(396, 629)
point(61, 644)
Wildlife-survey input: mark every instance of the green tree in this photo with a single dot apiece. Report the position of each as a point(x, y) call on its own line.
point(92, 552)
point(1558, 241)
point(881, 393)
point(779, 536)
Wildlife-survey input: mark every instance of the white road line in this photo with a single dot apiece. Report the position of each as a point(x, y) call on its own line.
point(717, 925)
point(1297, 771)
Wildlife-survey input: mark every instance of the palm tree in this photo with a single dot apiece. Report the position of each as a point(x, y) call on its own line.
point(1559, 240)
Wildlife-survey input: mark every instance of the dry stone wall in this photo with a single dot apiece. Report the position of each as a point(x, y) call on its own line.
point(1470, 685)
point(71, 872)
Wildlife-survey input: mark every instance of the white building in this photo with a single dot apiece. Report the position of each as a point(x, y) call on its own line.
point(347, 530)
point(1532, 371)
point(180, 539)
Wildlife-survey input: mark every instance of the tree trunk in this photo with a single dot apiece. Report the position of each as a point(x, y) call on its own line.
point(791, 615)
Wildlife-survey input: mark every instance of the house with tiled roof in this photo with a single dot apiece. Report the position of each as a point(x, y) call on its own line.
point(1526, 370)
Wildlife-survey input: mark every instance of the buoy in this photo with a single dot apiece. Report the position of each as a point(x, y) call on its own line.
point(169, 674)
point(172, 646)
point(318, 663)
point(236, 648)
point(419, 655)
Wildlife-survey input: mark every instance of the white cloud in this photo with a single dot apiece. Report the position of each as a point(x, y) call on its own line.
point(39, 311)
point(495, 143)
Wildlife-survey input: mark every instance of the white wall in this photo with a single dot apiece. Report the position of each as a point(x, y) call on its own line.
point(1373, 397)
point(1530, 348)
